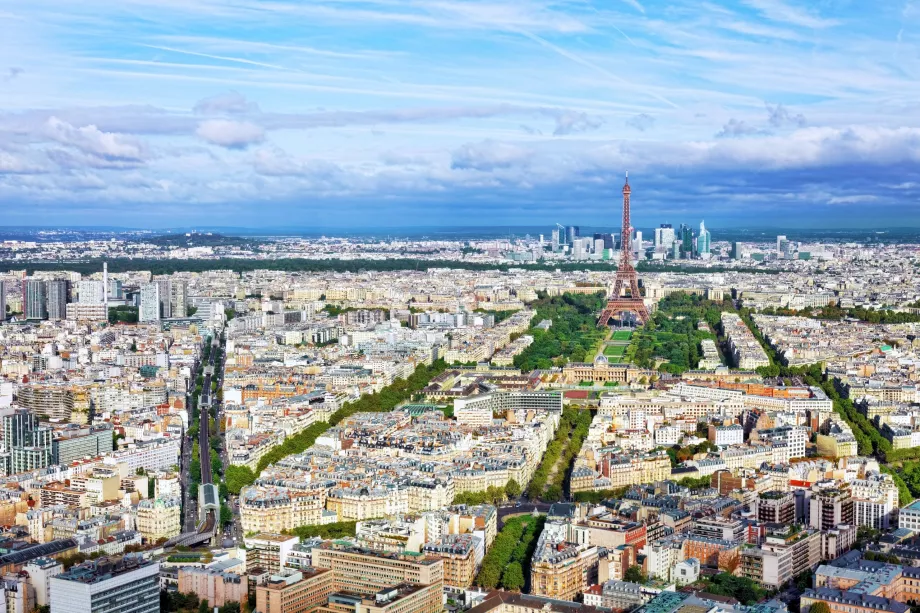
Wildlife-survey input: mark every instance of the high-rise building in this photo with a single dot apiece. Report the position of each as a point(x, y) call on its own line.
point(686, 241)
point(2, 301)
point(704, 241)
point(598, 245)
point(572, 233)
point(150, 303)
point(165, 295)
point(637, 245)
point(114, 286)
point(58, 296)
point(664, 236)
point(91, 292)
point(578, 249)
point(554, 244)
point(178, 297)
point(34, 299)
point(27, 445)
point(123, 585)
point(779, 243)
point(830, 508)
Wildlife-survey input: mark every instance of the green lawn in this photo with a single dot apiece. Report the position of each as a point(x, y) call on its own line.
point(615, 351)
point(622, 335)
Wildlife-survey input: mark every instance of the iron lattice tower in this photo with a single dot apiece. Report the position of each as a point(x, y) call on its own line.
point(627, 278)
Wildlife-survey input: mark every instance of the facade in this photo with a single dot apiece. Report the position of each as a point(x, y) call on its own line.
point(459, 554)
point(150, 303)
point(295, 591)
point(218, 588)
point(776, 507)
point(58, 297)
point(78, 443)
point(830, 508)
point(125, 585)
point(34, 299)
point(49, 401)
point(159, 518)
point(365, 572)
point(268, 552)
point(786, 553)
point(477, 410)
point(28, 445)
point(909, 517)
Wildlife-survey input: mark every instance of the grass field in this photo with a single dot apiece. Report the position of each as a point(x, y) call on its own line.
point(621, 335)
point(615, 350)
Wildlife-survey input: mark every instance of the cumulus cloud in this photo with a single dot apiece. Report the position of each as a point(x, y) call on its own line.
point(230, 134)
point(780, 117)
point(641, 122)
point(570, 122)
point(13, 163)
point(489, 155)
point(737, 127)
point(229, 103)
point(94, 142)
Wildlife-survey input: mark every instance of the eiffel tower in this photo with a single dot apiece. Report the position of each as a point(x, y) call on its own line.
point(627, 278)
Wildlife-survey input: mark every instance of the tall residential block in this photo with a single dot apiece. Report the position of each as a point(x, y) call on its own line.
point(150, 303)
point(34, 299)
point(58, 293)
point(124, 585)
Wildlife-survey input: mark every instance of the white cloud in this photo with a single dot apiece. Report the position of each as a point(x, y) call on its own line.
point(93, 141)
point(230, 134)
point(776, 10)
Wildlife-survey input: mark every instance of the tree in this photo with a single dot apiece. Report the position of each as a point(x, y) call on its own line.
point(230, 607)
point(819, 607)
point(512, 489)
point(203, 606)
point(513, 577)
point(634, 574)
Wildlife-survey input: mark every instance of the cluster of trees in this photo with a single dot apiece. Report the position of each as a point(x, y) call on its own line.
point(905, 493)
point(177, 602)
point(507, 564)
point(573, 335)
point(679, 454)
point(123, 314)
point(571, 419)
point(634, 574)
point(576, 439)
point(600, 496)
point(695, 483)
point(386, 399)
point(500, 316)
point(672, 333)
point(337, 530)
point(834, 312)
point(741, 588)
point(492, 495)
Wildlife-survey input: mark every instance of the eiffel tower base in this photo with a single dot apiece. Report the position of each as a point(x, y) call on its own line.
point(623, 305)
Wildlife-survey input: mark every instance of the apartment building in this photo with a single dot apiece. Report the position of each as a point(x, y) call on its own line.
point(295, 591)
point(364, 571)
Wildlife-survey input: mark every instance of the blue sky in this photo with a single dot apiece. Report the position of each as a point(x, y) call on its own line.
point(254, 113)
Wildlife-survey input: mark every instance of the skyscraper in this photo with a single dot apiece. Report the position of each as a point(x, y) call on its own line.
point(165, 297)
point(2, 301)
point(686, 241)
point(178, 297)
point(637, 245)
point(27, 444)
point(58, 297)
point(554, 244)
point(573, 232)
point(704, 242)
point(150, 303)
point(664, 236)
point(779, 243)
point(34, 299)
